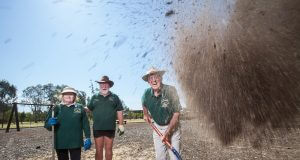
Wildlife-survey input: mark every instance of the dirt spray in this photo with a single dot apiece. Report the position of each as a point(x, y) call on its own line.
point(238, 65)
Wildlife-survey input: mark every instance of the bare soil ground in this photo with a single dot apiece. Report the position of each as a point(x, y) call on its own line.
point(136, 144)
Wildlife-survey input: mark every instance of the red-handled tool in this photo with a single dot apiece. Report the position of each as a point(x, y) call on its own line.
point(166, 142)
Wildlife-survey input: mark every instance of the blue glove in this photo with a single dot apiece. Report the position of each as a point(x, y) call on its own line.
point(87, 144)
point(52, 121)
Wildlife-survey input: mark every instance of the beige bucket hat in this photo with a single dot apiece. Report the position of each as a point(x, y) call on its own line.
point(152, 71)
point(69, 90)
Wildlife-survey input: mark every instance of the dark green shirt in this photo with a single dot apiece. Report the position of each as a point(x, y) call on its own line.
point(72, 121)
point(104, 111)
point(163, 106)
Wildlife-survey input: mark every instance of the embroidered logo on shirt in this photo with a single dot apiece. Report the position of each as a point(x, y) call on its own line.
point(164, 102)
point(77, 110)
point(95, 101)
point(111, 99)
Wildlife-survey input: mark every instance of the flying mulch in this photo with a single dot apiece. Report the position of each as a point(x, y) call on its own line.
point(239, 66)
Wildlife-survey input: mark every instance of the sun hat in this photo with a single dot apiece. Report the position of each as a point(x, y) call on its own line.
point(69, 90)
point(152, 71)
point(105, 79)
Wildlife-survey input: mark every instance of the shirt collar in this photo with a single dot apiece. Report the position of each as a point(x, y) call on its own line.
point(109, 93)
point(68, 105)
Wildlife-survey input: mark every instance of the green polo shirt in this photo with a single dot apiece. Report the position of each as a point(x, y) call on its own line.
point(104, 111)
point(163, 106)
point(72, 121)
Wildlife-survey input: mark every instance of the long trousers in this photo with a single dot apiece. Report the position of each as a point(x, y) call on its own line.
point(161, 149)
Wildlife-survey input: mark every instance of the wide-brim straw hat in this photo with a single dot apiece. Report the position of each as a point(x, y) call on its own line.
point(69, 90)
point(105, 79)
point(152, 71)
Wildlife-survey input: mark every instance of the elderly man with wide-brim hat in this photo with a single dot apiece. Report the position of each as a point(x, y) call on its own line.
point(161, 104)
point(105, 106)
point(69, 121)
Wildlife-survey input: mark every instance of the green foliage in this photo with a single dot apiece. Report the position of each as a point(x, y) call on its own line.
point(8, 93)
point(51, 92)
point(28, 117)
point(81, 97)
point(34, 94)
point(5, 116)
point(137, 114)
point(45, 94)
point(40, 94)
point(125, 107)
point(48, 93)
point(92, 87)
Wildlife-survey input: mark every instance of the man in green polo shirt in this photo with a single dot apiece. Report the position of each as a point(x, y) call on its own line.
point(161, 103)
point(106, 107)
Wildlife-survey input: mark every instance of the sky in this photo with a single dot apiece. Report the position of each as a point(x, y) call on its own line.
point(75, 42)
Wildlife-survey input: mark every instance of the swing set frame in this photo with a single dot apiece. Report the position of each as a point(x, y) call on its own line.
point(14, 111)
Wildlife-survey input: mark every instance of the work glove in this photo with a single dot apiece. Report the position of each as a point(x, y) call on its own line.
point(87, 144)
point(52, 121)
point(121, 130)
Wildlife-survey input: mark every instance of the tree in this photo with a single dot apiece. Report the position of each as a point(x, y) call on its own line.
point(125, 107)
point(47, 94)
point(35, 95)
point(8, 93)
point(81, 97)
point(51, 92)
point(22, 117)
point(92, 87)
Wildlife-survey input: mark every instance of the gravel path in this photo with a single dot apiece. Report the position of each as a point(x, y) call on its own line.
point(136, 144)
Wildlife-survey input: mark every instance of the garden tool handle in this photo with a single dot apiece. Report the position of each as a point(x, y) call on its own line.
point(53, 139)
point(160, 134)
point(176, 153)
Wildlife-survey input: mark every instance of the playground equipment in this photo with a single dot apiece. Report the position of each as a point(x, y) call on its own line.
point(14, 111)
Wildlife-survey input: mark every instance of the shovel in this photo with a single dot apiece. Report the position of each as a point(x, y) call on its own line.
point(176, 153)
point(53, 139)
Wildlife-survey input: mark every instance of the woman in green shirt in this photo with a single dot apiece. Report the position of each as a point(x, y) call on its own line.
point(70, 120)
